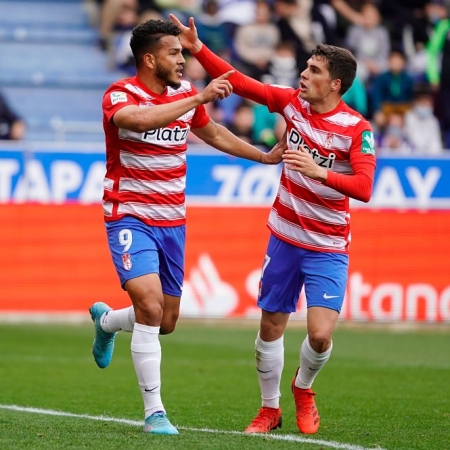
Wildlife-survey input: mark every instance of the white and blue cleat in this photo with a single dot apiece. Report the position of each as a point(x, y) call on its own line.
point(103, 346)
point(158, 423)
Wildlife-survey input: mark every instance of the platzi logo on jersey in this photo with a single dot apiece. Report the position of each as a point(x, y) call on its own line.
point(368, 143)
point(167, 136)
point(295, 140)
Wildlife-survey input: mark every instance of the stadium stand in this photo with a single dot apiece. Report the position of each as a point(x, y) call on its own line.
point(53, 74)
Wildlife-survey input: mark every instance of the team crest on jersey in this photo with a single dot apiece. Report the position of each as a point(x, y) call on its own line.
point(186, 117)
point(118, 97)
point(126, 261)
point(368, 143)
point(328, 141)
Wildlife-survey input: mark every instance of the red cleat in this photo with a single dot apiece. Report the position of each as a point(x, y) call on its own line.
point(307, 415)
point(266, 420)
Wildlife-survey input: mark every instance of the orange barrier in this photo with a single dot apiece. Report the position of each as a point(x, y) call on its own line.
point(55, 258)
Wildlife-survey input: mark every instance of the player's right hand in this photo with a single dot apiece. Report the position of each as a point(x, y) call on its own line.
point(218, 89)
point(189, 36)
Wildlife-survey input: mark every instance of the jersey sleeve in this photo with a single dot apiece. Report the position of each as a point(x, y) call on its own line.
point(201, 117)
point(115, 98)
point(244, 85)
point(363, 162)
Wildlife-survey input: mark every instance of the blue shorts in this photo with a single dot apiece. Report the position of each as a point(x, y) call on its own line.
point(138, 249)
point(288, 268)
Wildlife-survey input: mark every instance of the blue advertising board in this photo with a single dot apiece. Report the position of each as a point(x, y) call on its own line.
point(74, 173)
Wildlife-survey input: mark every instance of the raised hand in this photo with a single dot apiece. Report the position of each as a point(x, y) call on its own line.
point(217, 89)
point(189, 36)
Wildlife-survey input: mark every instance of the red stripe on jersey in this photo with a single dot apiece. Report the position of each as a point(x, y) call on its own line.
point(302, 193)
point(308, 222)
point(154, 174)
point(156, 199)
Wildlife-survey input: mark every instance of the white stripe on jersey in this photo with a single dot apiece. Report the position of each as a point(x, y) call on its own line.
point(320, 137)
point(174, 186)
point(107, 208)
point(169, 137)
point(310, 210)
point(155, 162)
point(343, 118)
point(153, 212)
point(185, 87)
point(310, 238)
point(137, 90)
point(108, 184)
point(317, 187)
point(342, 167)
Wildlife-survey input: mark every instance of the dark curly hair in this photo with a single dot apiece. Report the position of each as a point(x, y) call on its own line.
point(145, 36)
point(341, 64)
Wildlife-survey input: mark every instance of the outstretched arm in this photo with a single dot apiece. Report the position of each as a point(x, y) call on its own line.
point(224, 140)
point(243, 85)
point(134, 118)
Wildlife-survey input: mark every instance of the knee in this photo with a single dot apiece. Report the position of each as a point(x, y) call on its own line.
point(169, 323)
point(319, 341)
point(149, 313)
point(167, 328)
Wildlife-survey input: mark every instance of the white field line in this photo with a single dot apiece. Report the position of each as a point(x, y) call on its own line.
point(276, 437)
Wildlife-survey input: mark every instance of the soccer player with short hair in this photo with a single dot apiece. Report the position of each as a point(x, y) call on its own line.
point(146, 119)
point(330, 157)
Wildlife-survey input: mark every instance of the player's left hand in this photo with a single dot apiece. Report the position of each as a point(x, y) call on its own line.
point(301, 161)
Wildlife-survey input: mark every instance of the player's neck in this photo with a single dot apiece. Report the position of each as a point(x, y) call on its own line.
point(325, 106)
point(152, 83)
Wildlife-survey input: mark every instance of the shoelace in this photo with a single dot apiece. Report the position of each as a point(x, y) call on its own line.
point(262, 418)
point(304, 401)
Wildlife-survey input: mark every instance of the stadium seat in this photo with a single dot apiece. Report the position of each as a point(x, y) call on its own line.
point(55, 64)
point(54, 75)
point(60, 114)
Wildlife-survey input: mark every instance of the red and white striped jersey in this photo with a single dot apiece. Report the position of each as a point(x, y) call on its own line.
point(308, 213)
point(146, 172)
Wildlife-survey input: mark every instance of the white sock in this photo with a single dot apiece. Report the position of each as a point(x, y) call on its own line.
point(269, 364)
point(118, 320)
point(146, 354)
point(310, 364)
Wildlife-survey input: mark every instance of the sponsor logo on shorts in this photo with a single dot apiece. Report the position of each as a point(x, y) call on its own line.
point(126, 261)
point(327, 297)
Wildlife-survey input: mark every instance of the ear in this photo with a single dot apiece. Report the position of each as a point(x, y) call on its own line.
point(336, 85)
point(149, 60)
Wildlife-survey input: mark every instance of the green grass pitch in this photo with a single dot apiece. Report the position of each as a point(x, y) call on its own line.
point(382, 388)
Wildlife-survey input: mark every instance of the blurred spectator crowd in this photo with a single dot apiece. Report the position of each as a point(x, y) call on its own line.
point(402, 48)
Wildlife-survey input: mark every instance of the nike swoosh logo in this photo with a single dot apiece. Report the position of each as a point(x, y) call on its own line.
point(326, 296)
point(315, 370)
point(294, 119)
point(264, 371)
point(152, 389)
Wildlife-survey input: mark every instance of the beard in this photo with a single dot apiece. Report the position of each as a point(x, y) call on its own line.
point(165, 75)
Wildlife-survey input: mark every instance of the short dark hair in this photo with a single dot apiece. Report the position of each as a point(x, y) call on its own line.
point(145, 36)
point(341, 64)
